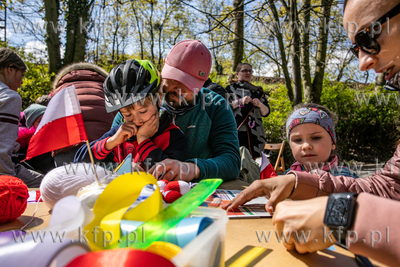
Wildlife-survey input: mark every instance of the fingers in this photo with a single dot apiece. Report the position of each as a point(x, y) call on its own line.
point(247, 99)
point(289, 246)
point(243, 197)
point(129, 128)
point(165, 169)
point(272, 202)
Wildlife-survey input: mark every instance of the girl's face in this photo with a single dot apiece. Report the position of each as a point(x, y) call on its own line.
point(138, 113)
point(13, 77)
point(245, 74)
point(311, 144)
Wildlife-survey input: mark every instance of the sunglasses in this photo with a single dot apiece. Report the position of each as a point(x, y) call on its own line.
point(366, 39)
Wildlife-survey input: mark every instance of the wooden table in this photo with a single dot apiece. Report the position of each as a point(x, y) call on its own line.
point(242, 246)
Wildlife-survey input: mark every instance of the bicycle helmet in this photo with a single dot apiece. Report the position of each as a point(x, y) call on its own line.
point(130, 82)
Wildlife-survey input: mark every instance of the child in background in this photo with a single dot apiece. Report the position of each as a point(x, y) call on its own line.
point(312, 138)
point(42, 163)
point(146, 132)
point(32, 114)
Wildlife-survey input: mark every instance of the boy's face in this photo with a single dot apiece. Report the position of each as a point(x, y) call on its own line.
point(138, 113)
point(310, 144)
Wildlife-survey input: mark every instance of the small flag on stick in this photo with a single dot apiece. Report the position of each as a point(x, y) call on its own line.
point(266, 171)
point(61, 124)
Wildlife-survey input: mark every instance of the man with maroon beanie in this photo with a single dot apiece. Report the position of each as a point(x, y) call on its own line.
point(212, 146)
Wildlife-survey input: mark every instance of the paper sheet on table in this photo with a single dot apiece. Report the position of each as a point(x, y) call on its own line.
point(252, 209)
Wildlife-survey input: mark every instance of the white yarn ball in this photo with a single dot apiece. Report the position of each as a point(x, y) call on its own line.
point(161, 185)
point(184, 187)
point(67, 180)
point(90, 193)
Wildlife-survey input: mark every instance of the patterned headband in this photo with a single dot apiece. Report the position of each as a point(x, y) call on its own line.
point(311, 115)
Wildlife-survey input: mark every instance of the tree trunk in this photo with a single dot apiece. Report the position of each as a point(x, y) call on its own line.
point(295, 47)
point(279, 37)
point(53, 38)
point(77, 17)
point(321, 51)
point(238, 43)
point(305, 51)
point(139, 31)
point(152, 31)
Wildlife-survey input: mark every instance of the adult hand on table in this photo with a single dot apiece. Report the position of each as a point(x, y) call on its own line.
point(175, 170)
point(275, 189)
point(306, 219)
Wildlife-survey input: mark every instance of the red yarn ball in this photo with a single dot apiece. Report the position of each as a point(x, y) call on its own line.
point(13, 198)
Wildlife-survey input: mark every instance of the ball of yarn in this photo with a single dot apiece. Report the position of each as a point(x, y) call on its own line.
point(179, 186)
point(162, 184)
point(170, 196)
point(67, 180)
point(13, 198)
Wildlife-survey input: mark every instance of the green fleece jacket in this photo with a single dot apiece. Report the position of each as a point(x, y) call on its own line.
point(211, 137)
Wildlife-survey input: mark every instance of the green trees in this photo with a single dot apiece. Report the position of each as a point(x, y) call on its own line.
point(292, 39)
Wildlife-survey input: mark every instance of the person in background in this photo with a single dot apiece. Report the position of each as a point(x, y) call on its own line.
point(249, 107)
point(88, 80)
point(43, 100)
point(42, 163)
point(12, 71)
point(32, 114)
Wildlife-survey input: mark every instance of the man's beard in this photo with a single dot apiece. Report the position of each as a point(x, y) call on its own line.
point(179, 103)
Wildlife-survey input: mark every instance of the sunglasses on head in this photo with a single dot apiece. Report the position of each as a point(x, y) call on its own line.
point(365, 39)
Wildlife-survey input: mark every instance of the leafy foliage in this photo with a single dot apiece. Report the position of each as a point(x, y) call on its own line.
point(368, 121)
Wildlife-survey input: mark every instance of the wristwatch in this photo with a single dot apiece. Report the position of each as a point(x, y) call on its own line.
point(339, 214)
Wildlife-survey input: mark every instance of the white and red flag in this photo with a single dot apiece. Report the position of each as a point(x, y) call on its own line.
point(266, 171)
point(61, 124)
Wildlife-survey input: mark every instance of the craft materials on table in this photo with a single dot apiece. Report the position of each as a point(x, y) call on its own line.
point(50, 245)
point(114, 204)
point(252, 209)
point(13, 198)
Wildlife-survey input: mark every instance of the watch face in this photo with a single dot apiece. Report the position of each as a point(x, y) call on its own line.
point(338, 212)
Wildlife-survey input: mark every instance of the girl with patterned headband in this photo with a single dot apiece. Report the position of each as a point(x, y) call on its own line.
point(310, 131)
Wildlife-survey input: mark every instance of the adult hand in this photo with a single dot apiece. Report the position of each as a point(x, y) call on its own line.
point(263, 108)
point(275, 189)
point(256, 102)
point(125, 131)
point(174, 170)
point(247, 99)
point(303, 221)
point(148, 129)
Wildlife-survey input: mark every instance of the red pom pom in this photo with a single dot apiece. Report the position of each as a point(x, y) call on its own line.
point(179, 186)
point(170, 196)
point(13, 196)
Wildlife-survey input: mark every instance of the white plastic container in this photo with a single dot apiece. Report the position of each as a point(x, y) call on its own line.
point(208, 248)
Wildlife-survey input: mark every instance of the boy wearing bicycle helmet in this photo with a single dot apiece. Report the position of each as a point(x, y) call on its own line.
point(146, 132)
